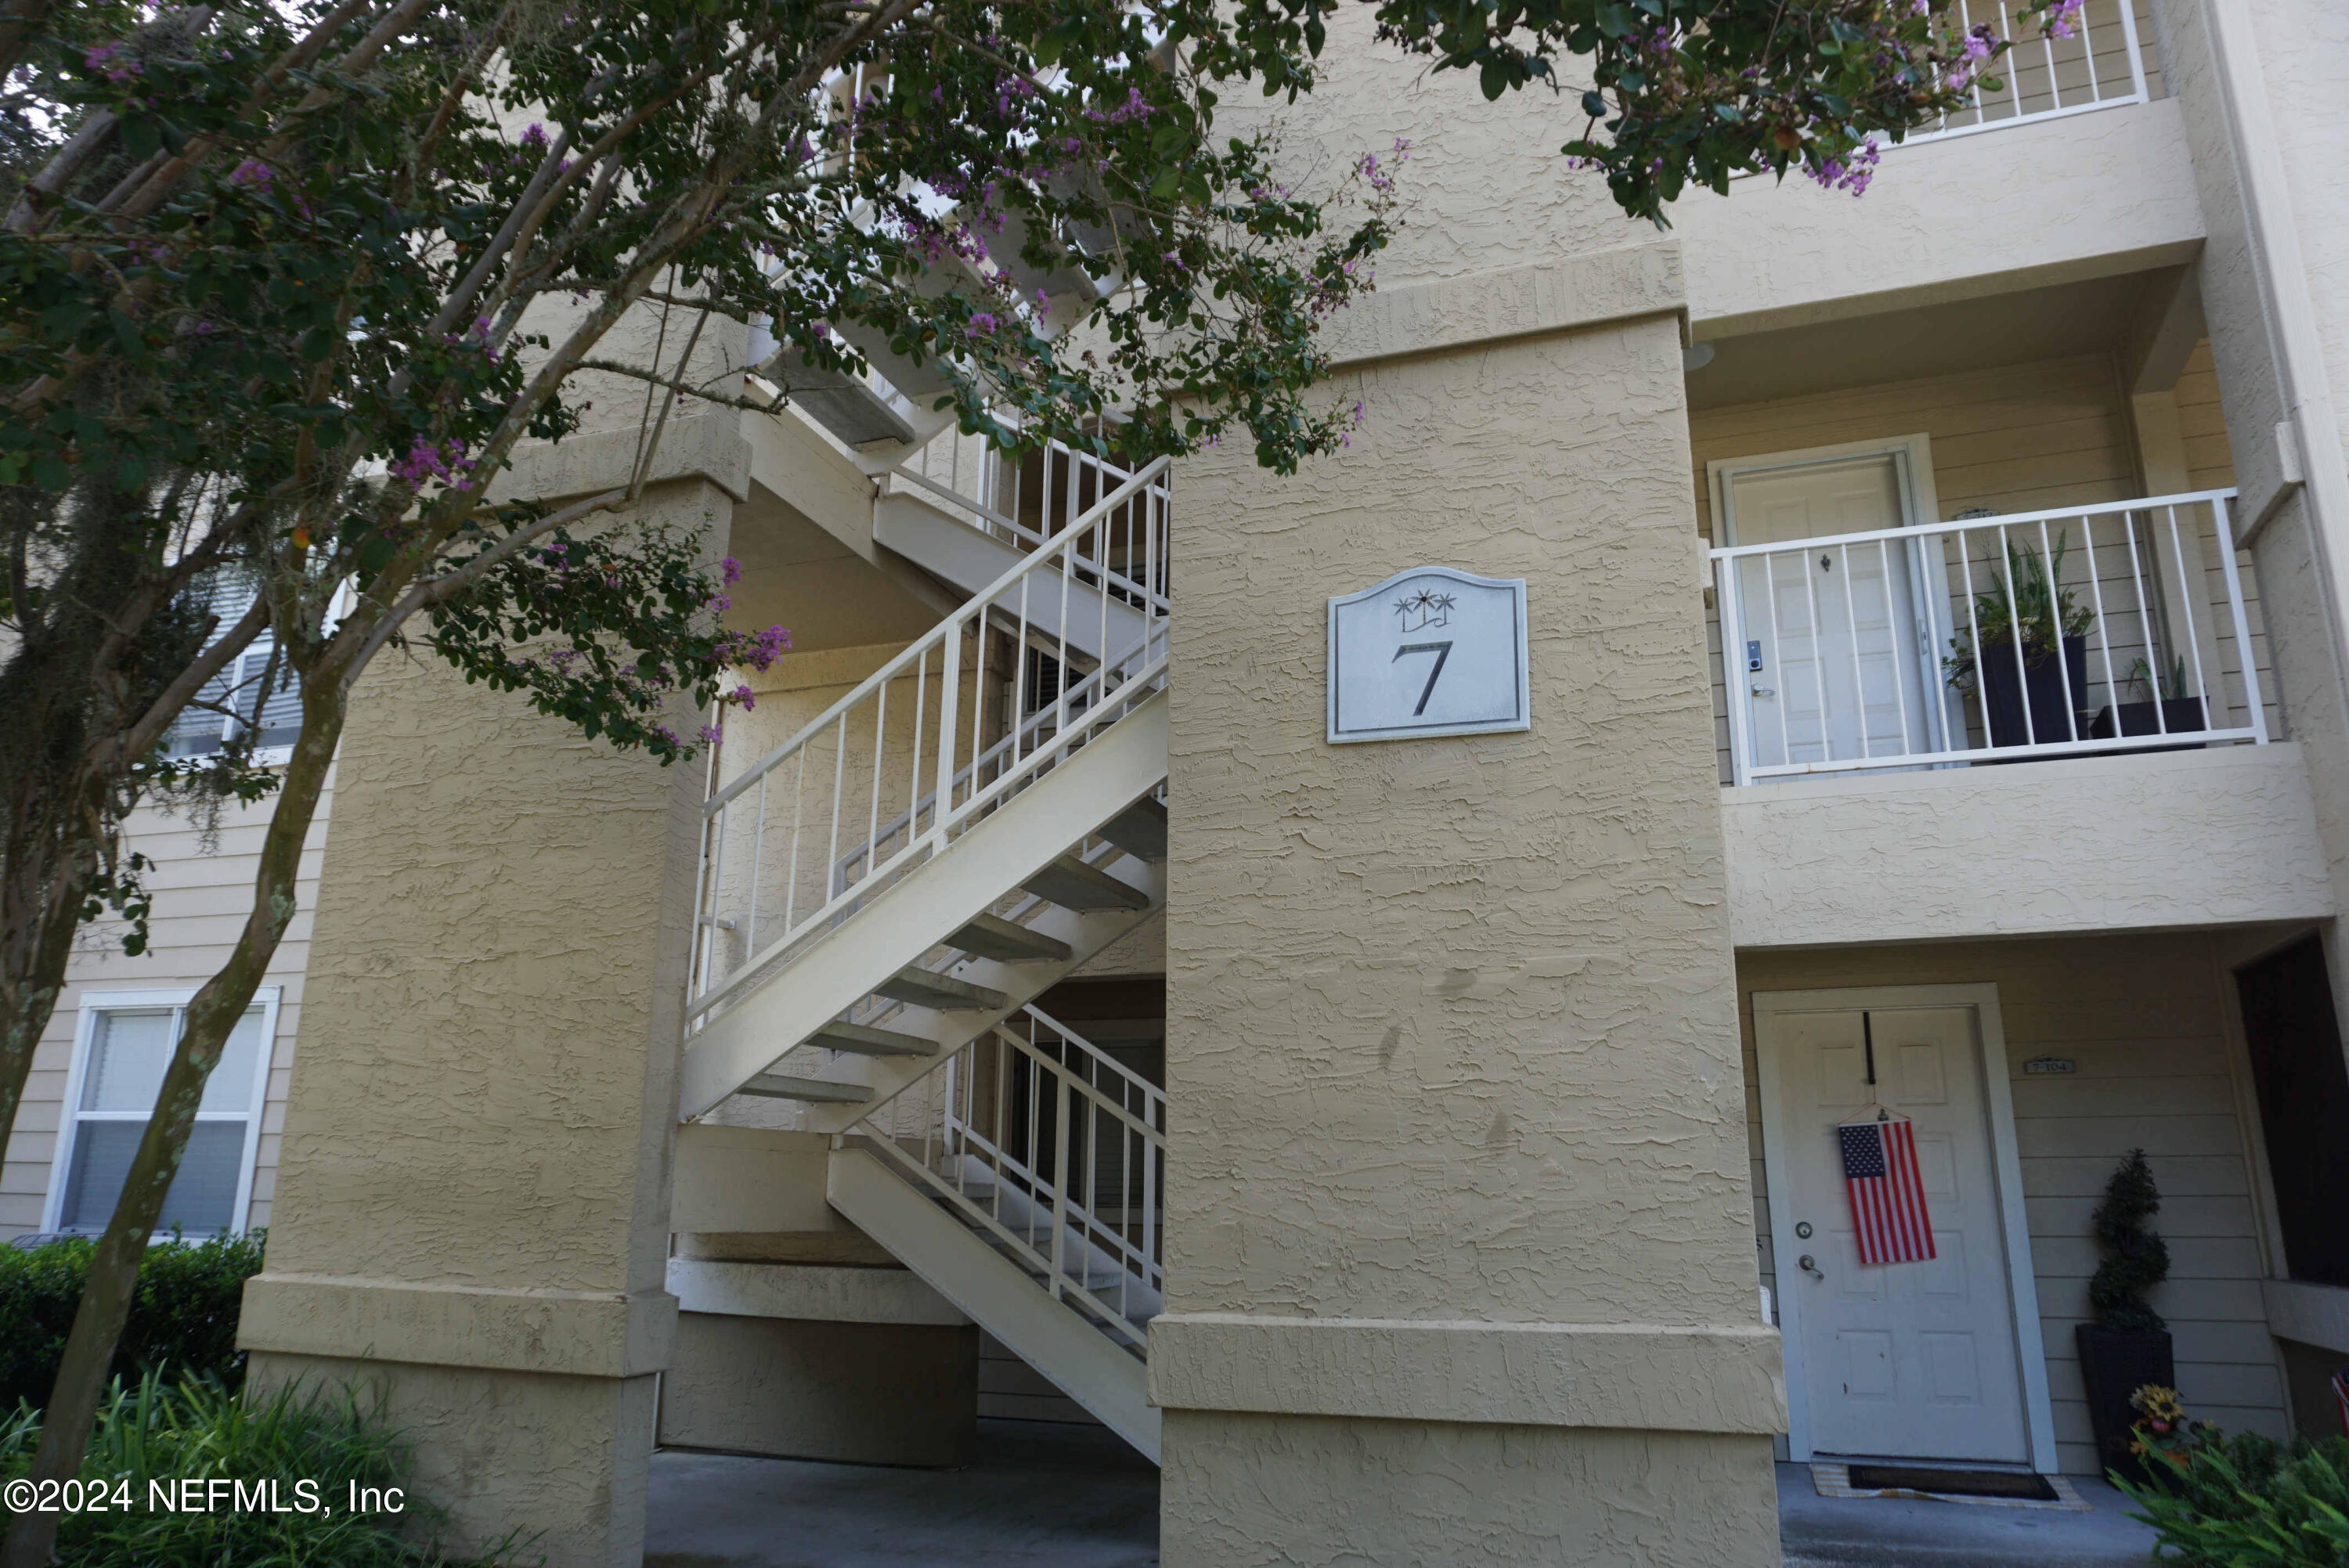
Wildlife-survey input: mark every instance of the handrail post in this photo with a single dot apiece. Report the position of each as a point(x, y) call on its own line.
point(1059, 1181)
point(949, 710)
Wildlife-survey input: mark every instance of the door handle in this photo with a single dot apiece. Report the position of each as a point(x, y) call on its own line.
point(1810, 1265)
point(1766, 691)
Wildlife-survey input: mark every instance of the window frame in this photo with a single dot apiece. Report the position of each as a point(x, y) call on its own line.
point(71, 1115)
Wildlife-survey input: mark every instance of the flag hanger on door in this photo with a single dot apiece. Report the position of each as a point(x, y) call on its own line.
point(1889, 1224)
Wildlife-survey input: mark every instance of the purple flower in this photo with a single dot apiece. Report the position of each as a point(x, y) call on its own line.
point(732, 570)
point(113, 62)
point(254, 174)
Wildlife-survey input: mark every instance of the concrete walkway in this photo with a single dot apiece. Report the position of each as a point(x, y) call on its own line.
point(1042, 1495)
point(1817, 1532)
point(1050, 1496)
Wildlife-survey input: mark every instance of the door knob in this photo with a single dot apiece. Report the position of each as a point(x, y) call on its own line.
point(1810, 1265)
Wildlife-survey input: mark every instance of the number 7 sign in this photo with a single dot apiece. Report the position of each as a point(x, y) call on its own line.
point(1430, 652)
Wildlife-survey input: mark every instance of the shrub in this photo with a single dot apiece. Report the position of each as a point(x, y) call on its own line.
point(2243, 1502)
point(2136, 1259)
point(183, 1317)
point(197, 1429)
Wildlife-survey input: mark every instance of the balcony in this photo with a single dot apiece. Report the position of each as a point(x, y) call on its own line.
point(2102, 65)
point(2122, 628)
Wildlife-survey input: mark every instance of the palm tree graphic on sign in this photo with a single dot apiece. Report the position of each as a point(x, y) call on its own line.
point(1425, 609)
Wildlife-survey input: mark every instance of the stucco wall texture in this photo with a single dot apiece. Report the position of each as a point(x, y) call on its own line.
point(1451, 1022)
point(477, 1149)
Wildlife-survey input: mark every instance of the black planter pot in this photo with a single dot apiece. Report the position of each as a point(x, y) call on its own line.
point(2114, 1363)
point(2057, 691)
point(2179, 715)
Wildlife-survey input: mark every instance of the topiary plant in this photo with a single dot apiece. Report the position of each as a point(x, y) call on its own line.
point(2135, 1258)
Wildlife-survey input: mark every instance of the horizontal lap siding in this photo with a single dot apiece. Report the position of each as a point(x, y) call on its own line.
point(2142, 1018)
point(1011, 1390)
point(203, 887)
point(2211, 465)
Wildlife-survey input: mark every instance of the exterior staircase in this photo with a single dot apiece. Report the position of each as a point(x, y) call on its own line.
point(884, 896)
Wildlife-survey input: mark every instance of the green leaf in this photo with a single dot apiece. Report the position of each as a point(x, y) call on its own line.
point(141, 135)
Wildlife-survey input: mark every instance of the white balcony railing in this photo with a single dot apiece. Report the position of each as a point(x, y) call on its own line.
point(2111, 628)
point(2101, 66)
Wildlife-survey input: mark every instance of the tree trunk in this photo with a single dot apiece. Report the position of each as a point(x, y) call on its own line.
point(40, 912)
point(28, 993)
point(212, 1015)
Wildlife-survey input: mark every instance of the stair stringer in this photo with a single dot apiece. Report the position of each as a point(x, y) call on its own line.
point(832, 973)
point(991, 1291)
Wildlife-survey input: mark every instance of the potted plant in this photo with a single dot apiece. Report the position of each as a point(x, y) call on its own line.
point(2180, 714)
point(2128, 1346)
point(2028, 643)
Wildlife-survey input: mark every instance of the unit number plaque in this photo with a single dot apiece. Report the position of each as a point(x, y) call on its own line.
point(1428, 652)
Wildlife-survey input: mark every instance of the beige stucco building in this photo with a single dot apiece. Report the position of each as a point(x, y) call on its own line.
point(1423, 1146)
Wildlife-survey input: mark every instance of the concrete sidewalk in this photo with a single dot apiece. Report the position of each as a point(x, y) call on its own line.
point(1817, 1532)
point(1051, 1496)
point(1042, 1495)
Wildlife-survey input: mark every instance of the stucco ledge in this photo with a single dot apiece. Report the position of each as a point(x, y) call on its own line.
point(1624, 1376)
point(588, 1334)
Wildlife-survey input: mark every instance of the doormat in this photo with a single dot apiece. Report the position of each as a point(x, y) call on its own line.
point(1993, 1488)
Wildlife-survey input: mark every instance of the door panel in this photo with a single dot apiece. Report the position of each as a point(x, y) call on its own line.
point(1835, 630)
point(1899, 1360)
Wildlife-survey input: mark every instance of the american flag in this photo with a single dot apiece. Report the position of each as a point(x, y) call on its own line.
point(1888, 1194)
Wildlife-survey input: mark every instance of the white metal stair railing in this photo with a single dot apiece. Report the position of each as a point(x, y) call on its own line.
point(1020, 499)
point(929, 744)
point(1055, 1154)
point(1939, 645)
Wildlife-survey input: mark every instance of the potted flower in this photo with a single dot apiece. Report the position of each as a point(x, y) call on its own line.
point(2180, 714)
point(2127, 1347)
point(2028, 642)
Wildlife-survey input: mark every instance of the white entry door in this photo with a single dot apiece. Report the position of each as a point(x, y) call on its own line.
point(1835, 667)
point(1899, 1360)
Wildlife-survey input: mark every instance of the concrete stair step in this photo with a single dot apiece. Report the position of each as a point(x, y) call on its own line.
point(1073, 884)
point(1140, 830)
point(992, 936)
point(814, 1091)
point(867, 1041)
point(943, 993)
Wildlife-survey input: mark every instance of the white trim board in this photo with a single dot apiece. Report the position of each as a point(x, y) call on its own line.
point(91, 1003)
point(2006, 1167)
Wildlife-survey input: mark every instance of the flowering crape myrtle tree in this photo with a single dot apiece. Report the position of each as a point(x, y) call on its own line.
point(281, 289)
point(1679, 93)
point(284, 287)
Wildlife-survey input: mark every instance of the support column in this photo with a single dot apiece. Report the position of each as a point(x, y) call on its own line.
point(1460, 1258)
point(2263, 87)
point(472, 1209)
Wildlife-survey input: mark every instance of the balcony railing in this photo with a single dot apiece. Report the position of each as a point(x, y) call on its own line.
point(2100, 66)
point(2077, 631)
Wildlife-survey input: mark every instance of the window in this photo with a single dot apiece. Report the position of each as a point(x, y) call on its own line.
point(273, 719)
point(124, 1043)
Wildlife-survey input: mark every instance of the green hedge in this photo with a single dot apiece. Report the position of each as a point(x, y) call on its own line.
point(183, 1319)
point(195, 1430)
